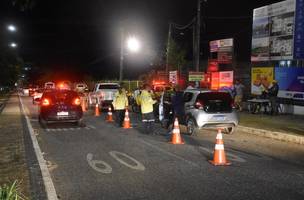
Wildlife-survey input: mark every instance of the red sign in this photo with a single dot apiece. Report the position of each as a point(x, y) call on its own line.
point(212, 65)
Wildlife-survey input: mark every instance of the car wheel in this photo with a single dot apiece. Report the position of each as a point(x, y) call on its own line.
point(192, 129)
point(229, 130)
point(42, 122)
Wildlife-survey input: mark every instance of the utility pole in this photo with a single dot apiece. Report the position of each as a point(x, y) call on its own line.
point(168, 48)
point(121, 54)
point(198, 33)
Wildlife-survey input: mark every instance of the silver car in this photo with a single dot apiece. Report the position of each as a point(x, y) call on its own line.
point(206, 108)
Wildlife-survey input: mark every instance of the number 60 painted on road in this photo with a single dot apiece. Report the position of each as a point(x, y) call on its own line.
point(107, 169)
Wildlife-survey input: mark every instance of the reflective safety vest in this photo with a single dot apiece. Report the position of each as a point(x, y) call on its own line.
point(146, 102)
point(120, 101)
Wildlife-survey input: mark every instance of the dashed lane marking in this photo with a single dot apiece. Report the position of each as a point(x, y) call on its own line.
point(69, 129)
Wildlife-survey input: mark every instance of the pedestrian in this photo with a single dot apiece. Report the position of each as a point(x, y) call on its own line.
point(120, 103)
point(273, 93)
point(239, 93)
point(146, 105)
point(178, 106)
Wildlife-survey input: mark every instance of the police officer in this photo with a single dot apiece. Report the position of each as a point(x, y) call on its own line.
point(146, 105)
point(120, 103)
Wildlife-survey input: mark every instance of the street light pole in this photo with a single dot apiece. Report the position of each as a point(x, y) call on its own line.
point(198, 33)
point(168, 48)
point(121, 55)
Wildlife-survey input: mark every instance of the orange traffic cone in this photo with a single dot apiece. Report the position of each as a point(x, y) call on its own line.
point(83, 105)
point(110, 117)
point(126, 123)
point(219, 157)
point(97, 110)
point(176, 136)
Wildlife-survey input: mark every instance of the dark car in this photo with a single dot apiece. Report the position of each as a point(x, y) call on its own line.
point(60, 106)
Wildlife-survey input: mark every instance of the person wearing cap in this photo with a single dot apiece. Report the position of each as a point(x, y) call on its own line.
point(273, 93)
point(120, 103)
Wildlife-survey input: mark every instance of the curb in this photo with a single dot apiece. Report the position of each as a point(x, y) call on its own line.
point(297, 139)
point(47, 180)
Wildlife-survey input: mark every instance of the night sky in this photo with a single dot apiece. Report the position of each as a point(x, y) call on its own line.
point(83, 36)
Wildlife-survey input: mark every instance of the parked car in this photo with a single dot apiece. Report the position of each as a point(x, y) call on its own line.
point(37, 96)
point(60, 106)
point(25, 91)
point(103, 94)
point(205, 108)
point(80, 87)
point(49, 85)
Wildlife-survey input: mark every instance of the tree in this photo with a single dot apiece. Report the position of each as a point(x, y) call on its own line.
point(24, 5)
point(10, 67)
point(177, 56)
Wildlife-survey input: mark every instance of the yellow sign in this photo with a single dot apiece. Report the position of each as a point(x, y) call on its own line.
point(261, 79)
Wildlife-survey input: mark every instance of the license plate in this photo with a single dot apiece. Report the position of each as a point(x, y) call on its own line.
point(219, 118)
point(62, 113)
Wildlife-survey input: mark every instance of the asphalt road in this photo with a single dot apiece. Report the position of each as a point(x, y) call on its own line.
point(102, 161)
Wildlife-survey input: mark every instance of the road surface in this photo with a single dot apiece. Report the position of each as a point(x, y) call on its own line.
point(102, 161)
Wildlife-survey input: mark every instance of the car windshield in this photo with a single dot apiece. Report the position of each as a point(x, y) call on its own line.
point(108, 86)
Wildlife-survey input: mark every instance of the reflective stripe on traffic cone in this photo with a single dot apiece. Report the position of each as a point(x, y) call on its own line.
point(97, 110)
point(126, 123)
point(219, 157)
point(176, 136)
point(110, 117)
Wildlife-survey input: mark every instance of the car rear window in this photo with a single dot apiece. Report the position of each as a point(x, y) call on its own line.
point(108, 86)
point(60, 95)
point(214, 102)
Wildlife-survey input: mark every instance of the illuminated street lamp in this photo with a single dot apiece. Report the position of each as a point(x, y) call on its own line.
point(11, 28)
point(133, 45)
point(13, 45)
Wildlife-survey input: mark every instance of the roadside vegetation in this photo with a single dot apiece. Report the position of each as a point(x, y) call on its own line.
point(11, 191)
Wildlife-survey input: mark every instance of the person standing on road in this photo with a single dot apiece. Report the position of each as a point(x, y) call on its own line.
point(120, 103)
point(273, 93)
point(178, 106)
point(146, 105)
point(239, 92)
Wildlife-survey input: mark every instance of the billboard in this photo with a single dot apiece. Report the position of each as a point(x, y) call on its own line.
point(196, 76)
point(223, 79)
point(173, 77)
point(261, 77)
point(277, 32)
point(291, 82)
point(223, 49)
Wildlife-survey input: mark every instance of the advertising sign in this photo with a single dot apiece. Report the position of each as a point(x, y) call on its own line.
point(173, 77)
point(225, 79)
point(299, 31)
point(222, 79)
point(212, 65)
point(261, 78)
point(224, 50)
point(291, 82)
point(196, 76)
point(273, 31)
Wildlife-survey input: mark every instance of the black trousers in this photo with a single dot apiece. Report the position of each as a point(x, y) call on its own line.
point(120, 115)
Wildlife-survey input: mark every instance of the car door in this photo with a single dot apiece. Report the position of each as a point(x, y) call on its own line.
point(188, 96)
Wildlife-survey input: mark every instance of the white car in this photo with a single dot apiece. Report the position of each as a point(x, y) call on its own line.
point(26, 91)
point(103, 94)
point(37, 96)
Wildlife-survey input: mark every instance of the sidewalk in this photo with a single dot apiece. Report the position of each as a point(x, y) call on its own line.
point(288, 128)
point(12, 151)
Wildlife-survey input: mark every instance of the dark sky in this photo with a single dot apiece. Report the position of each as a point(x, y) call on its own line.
point(78, 35)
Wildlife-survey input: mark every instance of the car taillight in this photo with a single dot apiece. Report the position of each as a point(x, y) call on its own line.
point(45, 102)
point(76, 101)
point(199, 105)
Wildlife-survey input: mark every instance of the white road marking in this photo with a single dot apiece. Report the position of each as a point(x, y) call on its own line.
point(34, 120)
point(91, 126)
point(138, 165)
point(87, 128)
point(231, 156)
point(107, 168)
point(170, 154)
point(47, 180)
